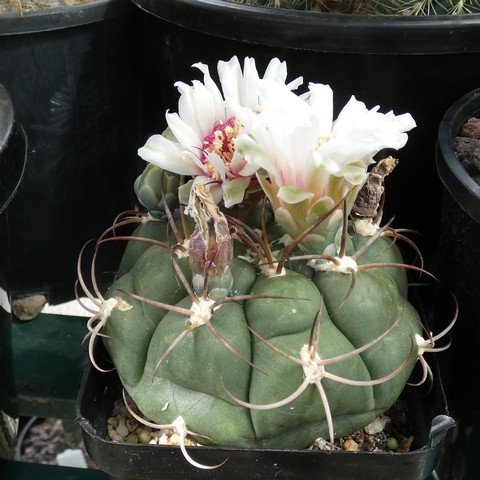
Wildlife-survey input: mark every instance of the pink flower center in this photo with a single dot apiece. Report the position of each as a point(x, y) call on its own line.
point(220, 141)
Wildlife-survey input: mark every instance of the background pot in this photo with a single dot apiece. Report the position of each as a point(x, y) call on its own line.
point(460, 266)
point(13, 147)
point(70, 75)
point(416, 65)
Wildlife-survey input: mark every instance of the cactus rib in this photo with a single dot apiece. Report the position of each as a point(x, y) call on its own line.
point(314, 370)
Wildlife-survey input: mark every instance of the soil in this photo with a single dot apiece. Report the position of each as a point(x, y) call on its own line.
point(467, 147)
point(389, 432)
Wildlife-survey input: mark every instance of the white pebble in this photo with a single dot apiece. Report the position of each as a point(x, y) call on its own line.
point(122, 429)
point(377, 425)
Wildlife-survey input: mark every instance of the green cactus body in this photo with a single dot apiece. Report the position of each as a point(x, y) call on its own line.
point(152, 229)
point(149, 186)
point(194, 380)
point(383, 250)
point(203, 379)
point(132, 329)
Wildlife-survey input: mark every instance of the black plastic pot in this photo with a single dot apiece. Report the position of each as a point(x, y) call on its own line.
point(13, 146)
point(458, 182)
point(416, 65)
point(70, 75)
point(460, 266)
point(98, 392)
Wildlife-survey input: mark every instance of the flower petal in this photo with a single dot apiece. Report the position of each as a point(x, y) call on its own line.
point(229, 73)
point(255, 155)
point(292, 194)
point(237, 164)
point(184, 192)
point(319, 208)
point(321, 100)
point(322, 160)
point(276, 70)
point(352, 114)
point(354, 174)
point(285, 219)
point(196, 107)
point(248, 87)
point(248, 170)
point(167, 155)
point(212, 87)
point(184, 133)
point(234, 190)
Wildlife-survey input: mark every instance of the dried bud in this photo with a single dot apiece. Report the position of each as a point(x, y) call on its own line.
point(210, 246)
point(369, 197)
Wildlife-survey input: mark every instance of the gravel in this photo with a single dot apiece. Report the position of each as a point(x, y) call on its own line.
point(45, 440)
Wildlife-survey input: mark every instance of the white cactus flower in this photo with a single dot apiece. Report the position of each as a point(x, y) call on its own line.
point(307, 161)
point(201, 138)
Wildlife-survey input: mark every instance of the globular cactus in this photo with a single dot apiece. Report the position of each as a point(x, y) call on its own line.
point(149, 187)
point(229, 365)
point(263, 336)
point(380, 7)
point(427, 7)
point(290, 4)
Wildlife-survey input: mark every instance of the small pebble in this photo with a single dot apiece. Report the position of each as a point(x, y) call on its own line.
point(377, 425)
point(405, 444)
point(320, 444)
point(132, 424)
point(350, 445)
point(131, 438)
point(144, 435)
point(113, 421)
point(120, 409)
point(174, 439)
point(163, 440)
point(114, 436)
point(122, 429)
point(28, 308)
point(392, 443)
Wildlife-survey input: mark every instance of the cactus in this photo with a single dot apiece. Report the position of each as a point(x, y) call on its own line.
point(272, 325)
point(149, 185)
point(381, 7)
point(154, 188)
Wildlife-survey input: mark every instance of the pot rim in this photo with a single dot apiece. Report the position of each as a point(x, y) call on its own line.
point(327, 32)
point(12, 139)
point(6, 117)
point(456, 179)
point(61, 17)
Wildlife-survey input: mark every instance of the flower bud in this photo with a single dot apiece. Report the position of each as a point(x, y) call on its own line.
point(210, 246)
